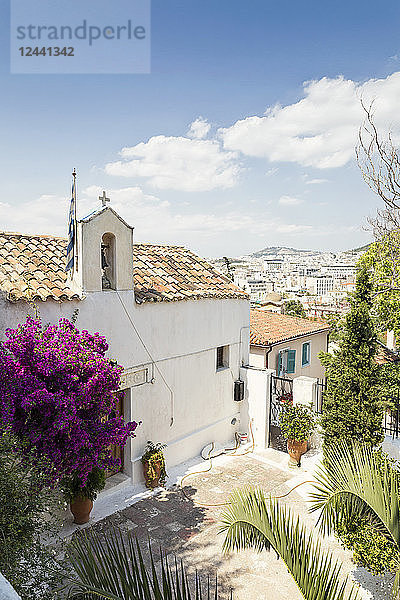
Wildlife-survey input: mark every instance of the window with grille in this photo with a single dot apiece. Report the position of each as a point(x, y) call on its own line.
point(222, 357)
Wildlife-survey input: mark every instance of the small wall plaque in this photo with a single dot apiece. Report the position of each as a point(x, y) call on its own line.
point(133, 377)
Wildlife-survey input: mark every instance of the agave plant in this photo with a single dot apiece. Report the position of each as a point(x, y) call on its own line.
point(254, 521)
point(109, 568)
point(354, 480)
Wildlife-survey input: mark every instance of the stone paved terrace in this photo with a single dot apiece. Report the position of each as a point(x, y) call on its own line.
point(182, 526)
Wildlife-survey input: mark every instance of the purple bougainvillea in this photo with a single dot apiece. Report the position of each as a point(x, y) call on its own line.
point(58, 396)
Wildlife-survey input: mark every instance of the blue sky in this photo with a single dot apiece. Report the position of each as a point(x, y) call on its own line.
point(240, 178)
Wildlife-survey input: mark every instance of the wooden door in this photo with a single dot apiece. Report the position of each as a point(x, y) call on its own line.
point(117, 451)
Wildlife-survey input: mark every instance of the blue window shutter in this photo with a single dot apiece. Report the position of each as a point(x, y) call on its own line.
point(291, 361)
point(305, 355)
point(279, 368)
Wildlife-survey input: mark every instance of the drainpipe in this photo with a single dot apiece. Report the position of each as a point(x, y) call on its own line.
point(268, 350)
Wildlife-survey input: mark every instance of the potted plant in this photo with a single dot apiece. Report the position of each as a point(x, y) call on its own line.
point(81, 496)
point(154, 465)
point(297, 422)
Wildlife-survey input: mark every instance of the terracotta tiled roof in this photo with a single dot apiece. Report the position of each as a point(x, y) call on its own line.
point(268, 328)
point(384, 355)
point(32, 266)
point(175, 273)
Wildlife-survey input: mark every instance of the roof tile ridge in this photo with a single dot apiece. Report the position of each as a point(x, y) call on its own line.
point(33, 235)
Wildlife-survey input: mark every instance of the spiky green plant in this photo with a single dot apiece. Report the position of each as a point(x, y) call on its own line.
point(109, 568)
point(354, 480)
point(259, 522)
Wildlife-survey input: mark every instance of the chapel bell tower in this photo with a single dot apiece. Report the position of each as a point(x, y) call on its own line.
point(106, 251)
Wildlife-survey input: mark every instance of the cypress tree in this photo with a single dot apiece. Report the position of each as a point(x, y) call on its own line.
point(352, 405)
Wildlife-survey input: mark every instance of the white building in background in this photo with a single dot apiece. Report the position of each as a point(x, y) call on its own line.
point(258, 289)
point(319, 286)
point(179, 328)
point(339, 270)
point(273, 265)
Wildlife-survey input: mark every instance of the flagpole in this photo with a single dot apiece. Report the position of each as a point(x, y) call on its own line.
point(75, 222)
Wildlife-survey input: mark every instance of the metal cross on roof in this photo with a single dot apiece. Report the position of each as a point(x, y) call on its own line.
point(104, 199)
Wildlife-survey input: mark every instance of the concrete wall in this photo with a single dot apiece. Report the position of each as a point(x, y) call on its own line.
point(257, 404)
point(260, 358)
point(189, 403)
point(305, 392)
point(391, 446)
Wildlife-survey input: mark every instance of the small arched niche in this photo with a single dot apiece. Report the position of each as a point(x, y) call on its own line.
point(108, 262)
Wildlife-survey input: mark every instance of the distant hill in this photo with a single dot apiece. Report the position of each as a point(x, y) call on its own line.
point(279, 250)
point(357, 250)
point(282, 251)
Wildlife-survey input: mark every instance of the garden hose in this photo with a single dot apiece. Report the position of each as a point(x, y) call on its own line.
point(232, 454)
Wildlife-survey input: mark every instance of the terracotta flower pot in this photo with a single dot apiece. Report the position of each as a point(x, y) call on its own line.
point(296, 450)
point(152, 483)
point(81, 509)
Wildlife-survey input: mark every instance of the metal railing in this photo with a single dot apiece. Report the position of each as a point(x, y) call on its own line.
point(281, 393)
point(319, 400)
point(391, 419)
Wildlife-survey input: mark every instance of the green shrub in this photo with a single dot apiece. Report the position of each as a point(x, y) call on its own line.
point(153, 454)
point(72, 487)
point(297, 422)
point(25, 561)
point(371, 549)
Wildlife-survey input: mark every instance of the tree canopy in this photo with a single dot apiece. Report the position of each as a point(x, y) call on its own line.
point(294, 308)
point(382, 259)
point(352, 405)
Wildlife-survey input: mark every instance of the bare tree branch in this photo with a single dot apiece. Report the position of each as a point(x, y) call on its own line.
point(379, 162)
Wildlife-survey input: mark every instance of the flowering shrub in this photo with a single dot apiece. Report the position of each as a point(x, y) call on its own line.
point(286, 399)
point(57, 396)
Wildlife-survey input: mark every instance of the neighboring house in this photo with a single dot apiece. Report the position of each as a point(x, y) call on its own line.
point(289, 345)
point(179, 328)
point(273, 302)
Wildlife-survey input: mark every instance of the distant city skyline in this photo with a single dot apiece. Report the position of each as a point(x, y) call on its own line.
point(241, 137)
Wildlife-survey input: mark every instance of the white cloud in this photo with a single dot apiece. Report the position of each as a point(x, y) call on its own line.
point(293, 228)
point(289, 201)
point(46, 214)
point(154, 220)
point(179, 163)
point(49, 213)
point(316, 181)
point(320, 130)
point(199, 129)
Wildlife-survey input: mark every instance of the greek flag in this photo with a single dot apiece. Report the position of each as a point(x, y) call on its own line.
point(71, 231)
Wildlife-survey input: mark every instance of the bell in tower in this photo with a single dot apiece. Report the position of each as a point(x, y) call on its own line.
point(107, 262)
point(107, 250)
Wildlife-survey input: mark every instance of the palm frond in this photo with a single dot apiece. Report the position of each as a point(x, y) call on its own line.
point(254, 521)
point(354, 480)
point(109, 568)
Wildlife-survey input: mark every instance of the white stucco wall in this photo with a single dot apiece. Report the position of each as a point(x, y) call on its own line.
point(257, 357)
point(318, 343)
point(179, 341)
point(257, 404)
